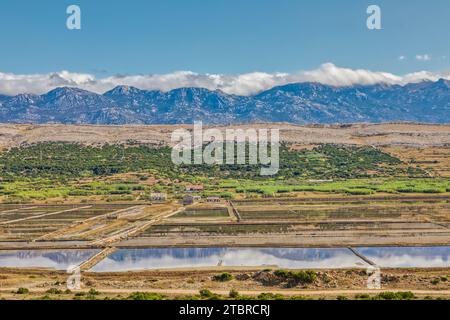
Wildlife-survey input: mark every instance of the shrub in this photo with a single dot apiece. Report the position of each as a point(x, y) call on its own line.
point(206, 294)
point(142, 296)
point(224, 277)
point(300, 298)
point(233, 294)
point(22, 291)
point(435, 281)
point(304, 277)
point(270, 296)
point(76, 193)
point(281, 273)
point(93, 292)
point(54, 291)
point(395, 296)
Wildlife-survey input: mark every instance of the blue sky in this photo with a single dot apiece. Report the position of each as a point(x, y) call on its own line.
point(222, 36)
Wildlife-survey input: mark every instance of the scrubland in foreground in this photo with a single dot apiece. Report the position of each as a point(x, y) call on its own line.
point(398, 284)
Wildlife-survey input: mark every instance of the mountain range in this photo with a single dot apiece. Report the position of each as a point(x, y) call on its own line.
point(299, 103)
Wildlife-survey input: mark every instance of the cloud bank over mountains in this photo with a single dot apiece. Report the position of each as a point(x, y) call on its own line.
point(243, 84)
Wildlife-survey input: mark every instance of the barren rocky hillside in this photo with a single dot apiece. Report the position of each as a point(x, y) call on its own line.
point(362, 134)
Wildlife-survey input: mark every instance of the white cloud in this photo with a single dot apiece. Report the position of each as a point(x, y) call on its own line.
point(423, 57)
point(243, 84)
point(401, 58)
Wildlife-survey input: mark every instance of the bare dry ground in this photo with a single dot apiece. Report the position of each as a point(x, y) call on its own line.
point(399, 134)
point(434, 160)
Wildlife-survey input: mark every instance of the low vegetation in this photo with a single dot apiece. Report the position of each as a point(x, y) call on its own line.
point(297, 278)
point(22, 291)
point(122, 173)
point(206, 294)
point(387, 296)
point(223, 277)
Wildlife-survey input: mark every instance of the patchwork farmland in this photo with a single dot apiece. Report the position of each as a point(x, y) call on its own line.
point(125, 215)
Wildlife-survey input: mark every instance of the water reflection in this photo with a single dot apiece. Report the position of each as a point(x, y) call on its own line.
point(52, 259)
point(140, 259)
point(408, 257)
